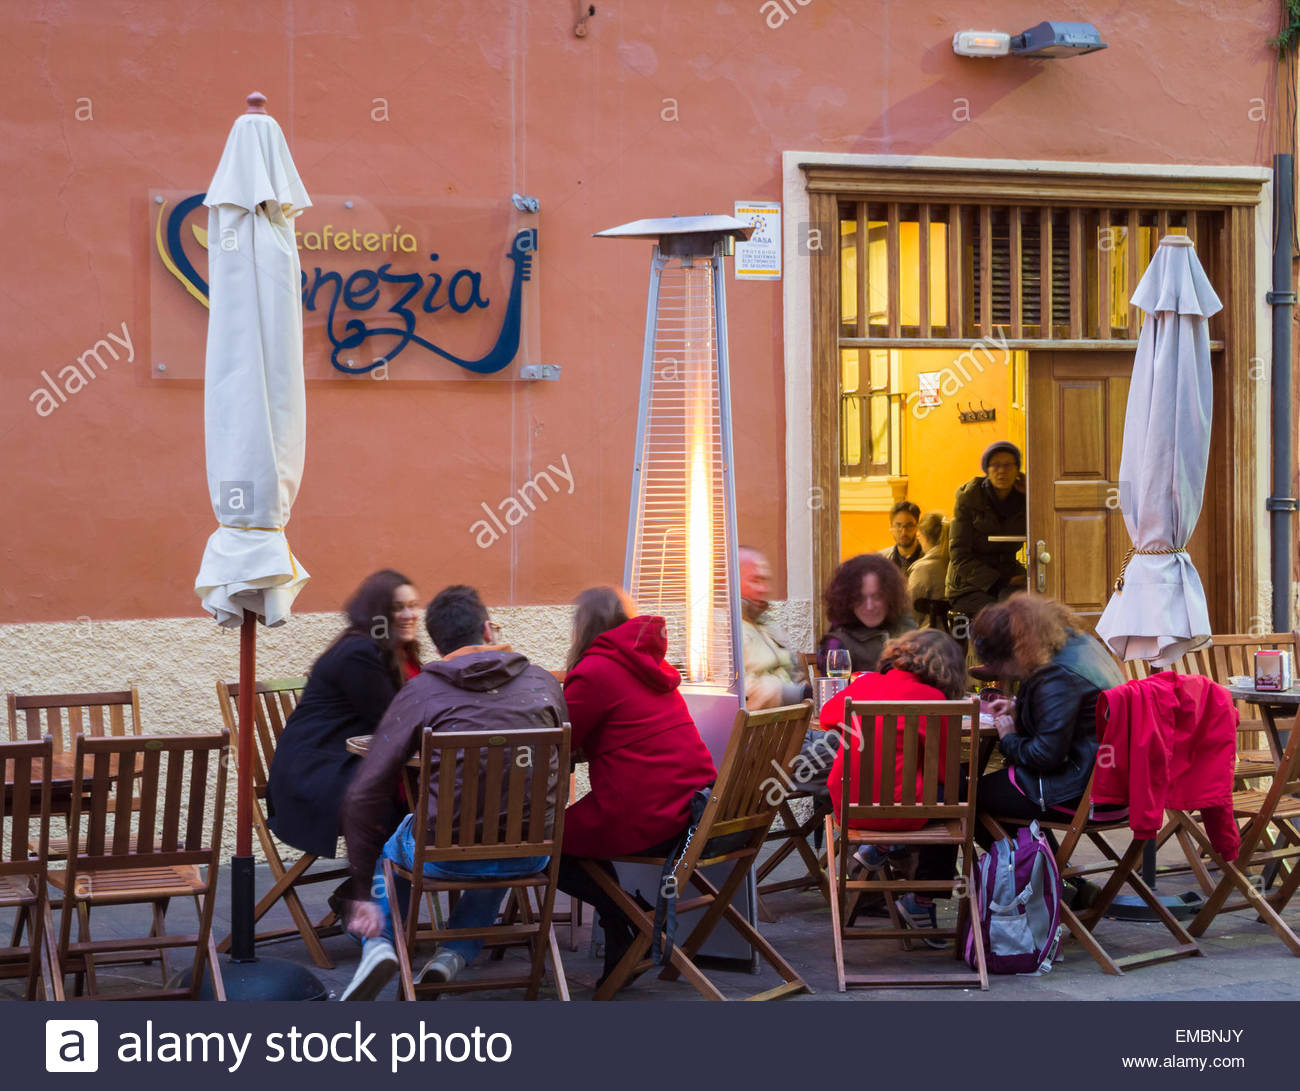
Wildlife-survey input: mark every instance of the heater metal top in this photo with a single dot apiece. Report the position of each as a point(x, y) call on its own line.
point(683, 235)
point(660, 226)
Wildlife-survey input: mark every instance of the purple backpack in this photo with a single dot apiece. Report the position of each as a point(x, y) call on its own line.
point(1016, 904)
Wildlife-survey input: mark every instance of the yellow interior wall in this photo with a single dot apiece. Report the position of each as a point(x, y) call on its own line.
point(940, 454)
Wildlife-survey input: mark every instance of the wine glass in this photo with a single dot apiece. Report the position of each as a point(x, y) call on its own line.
point(838, 664)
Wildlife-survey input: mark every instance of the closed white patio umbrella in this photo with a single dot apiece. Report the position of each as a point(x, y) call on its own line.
point(255, 424)
point(1158, 611)
point(255, 413)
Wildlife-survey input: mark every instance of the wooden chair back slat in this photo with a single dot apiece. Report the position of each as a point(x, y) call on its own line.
point(123, 793)
point(494, 759)
point(931, 766)
point(910, 741)
point(171, 816)
point(98, 800)
point(194, 806)
point(446, 790)
point(518, 770)
point(888, 748)
point(473, 760)
point(490, 814)
point(149, 800)
point(952, 777)
point(539, 786)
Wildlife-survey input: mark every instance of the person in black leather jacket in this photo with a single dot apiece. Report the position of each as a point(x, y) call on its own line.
point(1048, 734)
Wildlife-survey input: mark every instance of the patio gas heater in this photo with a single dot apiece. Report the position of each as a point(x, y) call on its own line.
point(681, 539)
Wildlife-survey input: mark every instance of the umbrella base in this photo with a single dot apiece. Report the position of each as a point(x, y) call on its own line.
point(261, 979)
point(1129, 907)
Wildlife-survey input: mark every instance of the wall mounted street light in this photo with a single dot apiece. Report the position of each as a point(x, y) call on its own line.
point(1046, 40)
point(1052, 39)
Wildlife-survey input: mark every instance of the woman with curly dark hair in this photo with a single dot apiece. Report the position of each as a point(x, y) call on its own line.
point(866, 605)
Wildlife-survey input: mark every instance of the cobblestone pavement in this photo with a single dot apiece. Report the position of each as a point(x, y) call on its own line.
point(1242, 959)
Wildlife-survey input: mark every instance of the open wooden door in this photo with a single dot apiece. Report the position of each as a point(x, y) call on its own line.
point(1077, 537)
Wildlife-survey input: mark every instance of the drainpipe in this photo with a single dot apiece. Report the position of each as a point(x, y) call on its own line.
point(1282, 298)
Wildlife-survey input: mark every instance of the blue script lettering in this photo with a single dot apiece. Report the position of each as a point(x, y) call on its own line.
point(464, 292)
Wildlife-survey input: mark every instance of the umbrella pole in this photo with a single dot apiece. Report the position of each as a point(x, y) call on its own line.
point(245, 975)
point(241, 864)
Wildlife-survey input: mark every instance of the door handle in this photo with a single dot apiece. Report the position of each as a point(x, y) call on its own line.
point(1044, 559)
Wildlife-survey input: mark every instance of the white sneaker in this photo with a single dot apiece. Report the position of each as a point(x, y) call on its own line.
point(445, 966)
point(378, 965)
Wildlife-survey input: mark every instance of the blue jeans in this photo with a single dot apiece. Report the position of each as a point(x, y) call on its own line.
point(476, 908)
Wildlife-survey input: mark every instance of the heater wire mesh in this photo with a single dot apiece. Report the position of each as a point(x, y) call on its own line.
point(681, 545)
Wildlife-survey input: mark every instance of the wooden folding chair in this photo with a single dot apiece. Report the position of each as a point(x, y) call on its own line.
point(1120, 870)
point(1227, 655)
point(509, 792)
point(950, 820)
point(25, 821)
point(163, 857)
point(1270, 841)
point(740, 810)
point(274, 700)
point(64, 716)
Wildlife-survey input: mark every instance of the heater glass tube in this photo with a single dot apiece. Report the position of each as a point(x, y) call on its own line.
point(700, 397)
point(679, 555)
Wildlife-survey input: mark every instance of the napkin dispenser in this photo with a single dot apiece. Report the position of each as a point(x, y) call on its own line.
point(1273, 670)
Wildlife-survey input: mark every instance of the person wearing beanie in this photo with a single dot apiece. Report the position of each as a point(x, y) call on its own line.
point(981, 571)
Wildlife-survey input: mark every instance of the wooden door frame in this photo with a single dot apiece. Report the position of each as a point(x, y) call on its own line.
point(1236, 197)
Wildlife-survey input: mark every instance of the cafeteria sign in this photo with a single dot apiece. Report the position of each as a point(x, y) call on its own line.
point(444, 299)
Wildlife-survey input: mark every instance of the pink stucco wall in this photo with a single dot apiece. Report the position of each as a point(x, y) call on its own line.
point(677, 107)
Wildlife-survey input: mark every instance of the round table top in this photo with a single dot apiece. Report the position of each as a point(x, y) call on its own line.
point(360, 744)
point(1287, 698)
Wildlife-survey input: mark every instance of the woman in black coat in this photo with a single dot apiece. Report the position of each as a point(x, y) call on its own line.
point(1048, 732)
point(347, 692)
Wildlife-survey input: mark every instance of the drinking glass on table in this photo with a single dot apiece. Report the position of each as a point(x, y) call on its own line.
point(838, 664)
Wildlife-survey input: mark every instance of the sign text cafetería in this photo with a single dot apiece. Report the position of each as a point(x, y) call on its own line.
point(383, 290)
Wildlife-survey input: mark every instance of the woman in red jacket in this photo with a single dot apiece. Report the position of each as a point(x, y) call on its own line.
point(645, 758)
point(923, 665)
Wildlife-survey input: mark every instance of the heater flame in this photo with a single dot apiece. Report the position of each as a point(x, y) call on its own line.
point(699, 548)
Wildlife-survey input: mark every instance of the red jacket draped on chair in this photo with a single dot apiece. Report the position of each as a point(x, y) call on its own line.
point(646, 758)
point(1169, 740)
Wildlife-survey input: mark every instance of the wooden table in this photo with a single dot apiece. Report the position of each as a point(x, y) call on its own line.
point(360, 744)
point(1272, 704)
point(63, 776)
